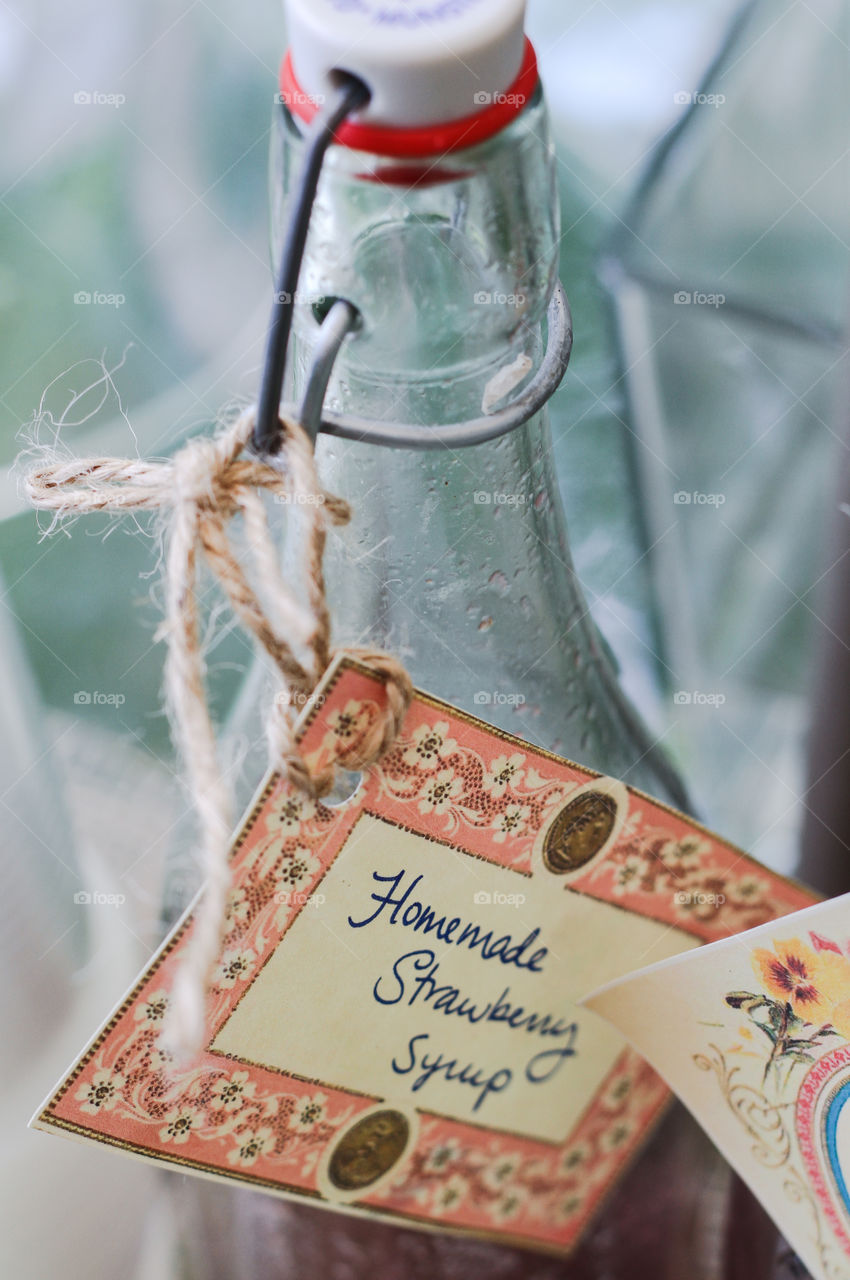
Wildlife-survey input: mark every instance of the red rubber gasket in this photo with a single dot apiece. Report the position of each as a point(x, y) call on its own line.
point(428, 140)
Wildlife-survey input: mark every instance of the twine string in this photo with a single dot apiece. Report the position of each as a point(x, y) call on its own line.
point(199, 492)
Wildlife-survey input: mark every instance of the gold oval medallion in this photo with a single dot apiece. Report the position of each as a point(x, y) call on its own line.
point(368, 1150)
point(580, 830)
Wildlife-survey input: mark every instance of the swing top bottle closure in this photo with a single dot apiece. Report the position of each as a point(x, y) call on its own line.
point(442, 74)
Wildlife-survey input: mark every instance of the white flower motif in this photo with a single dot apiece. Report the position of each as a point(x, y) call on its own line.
point(179, 1125)
point(443, 788)
point(346, 726)
point(510, 822)
point(616, 1135)
point(451, 1194)
point(102, 1093)
point(618, 1093)
point(297, 869)
point(629, 875)
point(700, 900)
point(429, 747)
point(685, 854)
point(251, 1145)
point(575, 1157)
point(511, 1203)
point(294, 810)
point(748, 891)
point(441, 1156)
point(291, 891)
point(499, 1171)
point(569, 1206)
point(151, 1012)
point(309, 1112)
point(229, 1092)
point(234, 966)
point(504, 772)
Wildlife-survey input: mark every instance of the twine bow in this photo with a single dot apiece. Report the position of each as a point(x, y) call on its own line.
point(199, 491)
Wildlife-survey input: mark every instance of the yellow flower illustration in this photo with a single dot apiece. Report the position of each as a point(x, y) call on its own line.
point(840, 1018)
point(805, 999)
point(812, 982)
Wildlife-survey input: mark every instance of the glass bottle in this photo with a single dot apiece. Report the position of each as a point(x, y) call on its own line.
point(458, 562)
point(451, 265)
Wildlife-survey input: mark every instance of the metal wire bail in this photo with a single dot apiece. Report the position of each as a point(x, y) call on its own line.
point(342, 319)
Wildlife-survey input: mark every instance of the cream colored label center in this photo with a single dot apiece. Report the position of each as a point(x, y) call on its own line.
point(422, 974)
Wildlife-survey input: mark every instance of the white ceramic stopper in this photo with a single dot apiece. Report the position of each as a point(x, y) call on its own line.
point(425, 61)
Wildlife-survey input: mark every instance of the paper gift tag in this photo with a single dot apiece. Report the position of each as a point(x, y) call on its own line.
point(754, 1036)
point(394, 1027)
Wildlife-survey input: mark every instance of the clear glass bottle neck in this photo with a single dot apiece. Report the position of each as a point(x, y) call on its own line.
point(451, 262)
point(457, 561)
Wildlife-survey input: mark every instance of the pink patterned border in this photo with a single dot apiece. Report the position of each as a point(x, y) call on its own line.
point(810, 1090)
point(485, 793)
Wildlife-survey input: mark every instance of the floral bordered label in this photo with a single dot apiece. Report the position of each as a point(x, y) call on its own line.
point(755, 1039)
point(394, 1025)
